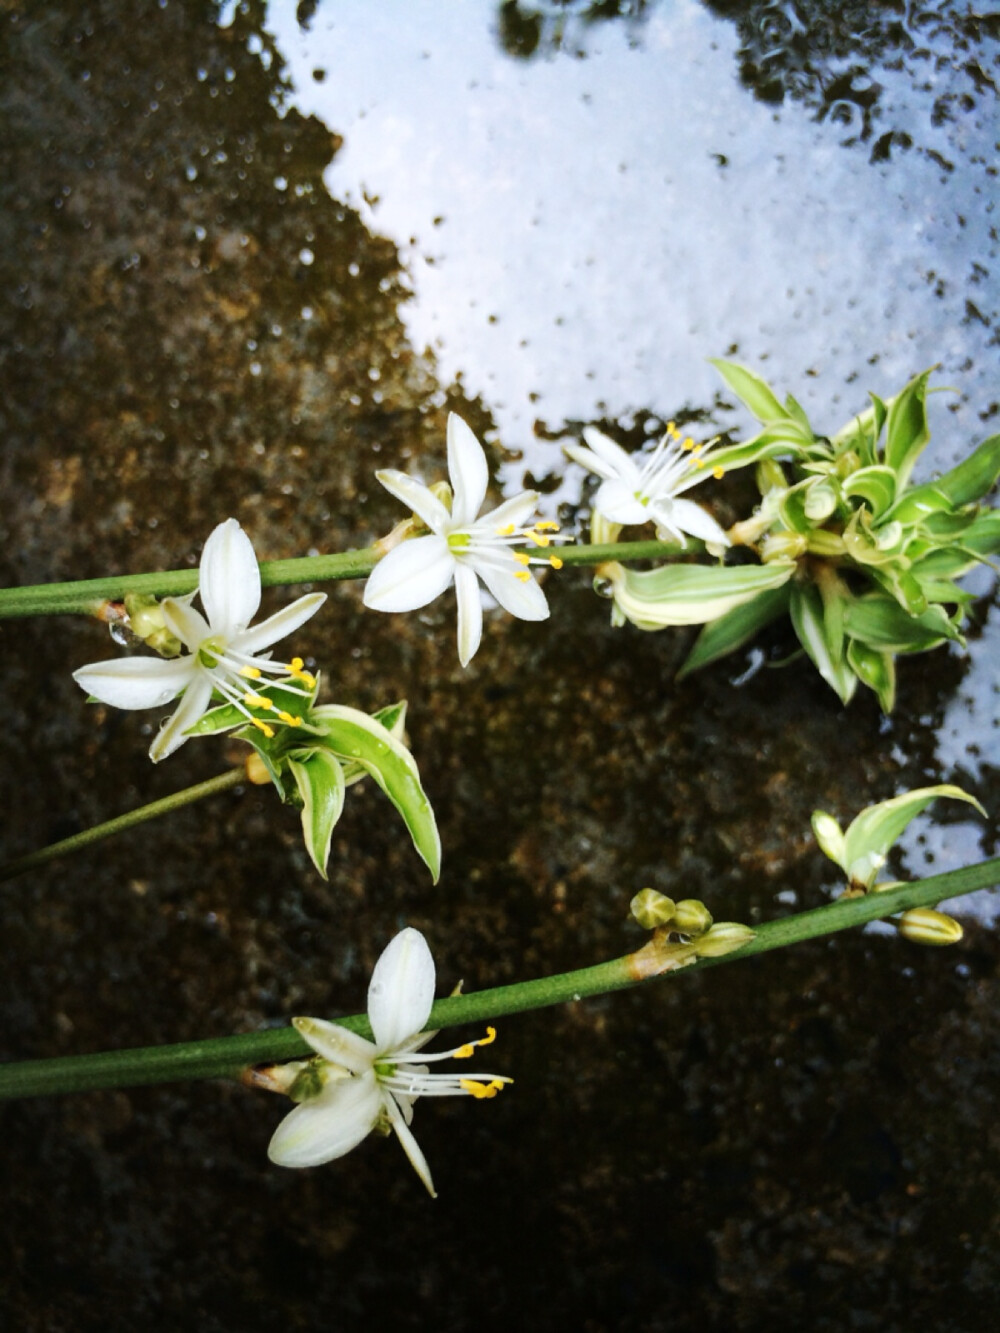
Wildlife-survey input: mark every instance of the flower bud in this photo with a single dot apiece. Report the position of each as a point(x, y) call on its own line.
point(770, 476)
point(652, 909)
point(829, 835)
point(782, 546)
point(257, 770)
point(824, 543)
point(723, 938)
point(691, 917)
point(925, 925)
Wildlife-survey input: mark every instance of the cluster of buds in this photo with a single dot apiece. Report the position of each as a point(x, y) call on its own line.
point(683, 932)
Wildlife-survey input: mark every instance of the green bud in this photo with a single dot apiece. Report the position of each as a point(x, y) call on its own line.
point(723, 938)
point(830, 836)
point(770, 476)
point(652, 909)
point(692, 917)
point(925, 925)
point(824, 543)
point(782, 546)
point(163, 642)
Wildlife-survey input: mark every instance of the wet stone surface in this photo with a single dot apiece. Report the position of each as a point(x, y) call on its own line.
point(806, 1140)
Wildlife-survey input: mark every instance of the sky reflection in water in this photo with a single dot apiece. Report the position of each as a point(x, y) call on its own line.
point(582, 233)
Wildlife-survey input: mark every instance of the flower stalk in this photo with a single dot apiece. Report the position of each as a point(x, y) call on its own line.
point(122, 823)
point(229, 1057)
point(92, 597)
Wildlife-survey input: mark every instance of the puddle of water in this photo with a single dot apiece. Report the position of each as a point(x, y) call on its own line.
point(582, 233)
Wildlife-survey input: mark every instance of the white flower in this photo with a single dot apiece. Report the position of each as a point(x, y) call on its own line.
point(224, 651)
point(633, 494)
point(369, 1085)
point(462, 547)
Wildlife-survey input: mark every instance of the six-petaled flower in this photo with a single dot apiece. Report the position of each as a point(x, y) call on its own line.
point(368, 1085)
point(226, 655)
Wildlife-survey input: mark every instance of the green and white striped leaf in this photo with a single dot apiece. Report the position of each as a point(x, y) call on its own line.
point(357, 738)
point(820, 630)
point(906, 428)
point(876, 486)
point(735, 628)
point(689, 594)
point(872, 833)
point(320, 781)
point(879, 621)
point(751, 390)
point(875, 669)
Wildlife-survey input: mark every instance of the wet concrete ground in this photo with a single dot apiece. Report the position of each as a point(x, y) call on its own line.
point(803, 1141)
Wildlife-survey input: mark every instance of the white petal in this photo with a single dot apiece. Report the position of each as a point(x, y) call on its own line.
point(410, 1146)
point(418, 497)
point(337, 1044)
point(470, 612)
point(468, 472)
point(617, 502)
point(136, 682)
point(327, 1126)
point(513, 511)
point(618, 462)
point(182, 619)
point(401, 991)
point(521, 597)
point(686, 516)
point(278, 626)
point(591, 461)
point(229, 579)
point(410, 576)
point(194, 705)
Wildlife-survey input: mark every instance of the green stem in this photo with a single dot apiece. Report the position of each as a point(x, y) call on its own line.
point(88, 596)
point(228, 1056)
point(134, 817)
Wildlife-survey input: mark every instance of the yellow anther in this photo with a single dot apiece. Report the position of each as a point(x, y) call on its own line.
point(672, 430)
point(289, 720)
point(522, 574)
point(262, 726)
point(538, 538)
point(699, 449)
point(465, 1051)
point(296, 671)
point(688, 444)
point(480, 1090)
point(257, 700)
point(546, 525)
point(522, 557)
point(251, 673)
point(508, 531)
point(718, 472)
point(555, 562)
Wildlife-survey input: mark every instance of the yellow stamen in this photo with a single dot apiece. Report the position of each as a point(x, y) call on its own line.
point(289, 720)
point(262, 726)
point(537, 538)
point(546, 525)
point(672, 430)
point(465, 1051)
point(522, 574)
point(508, 531)
point(555, 562)
point(251, 673)
point(522, 557)
point(480, 1090)
point(718, 472)
point(295, 670)
point(257, 700)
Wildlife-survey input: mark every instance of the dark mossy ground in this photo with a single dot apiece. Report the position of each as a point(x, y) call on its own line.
point(805, 1141)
